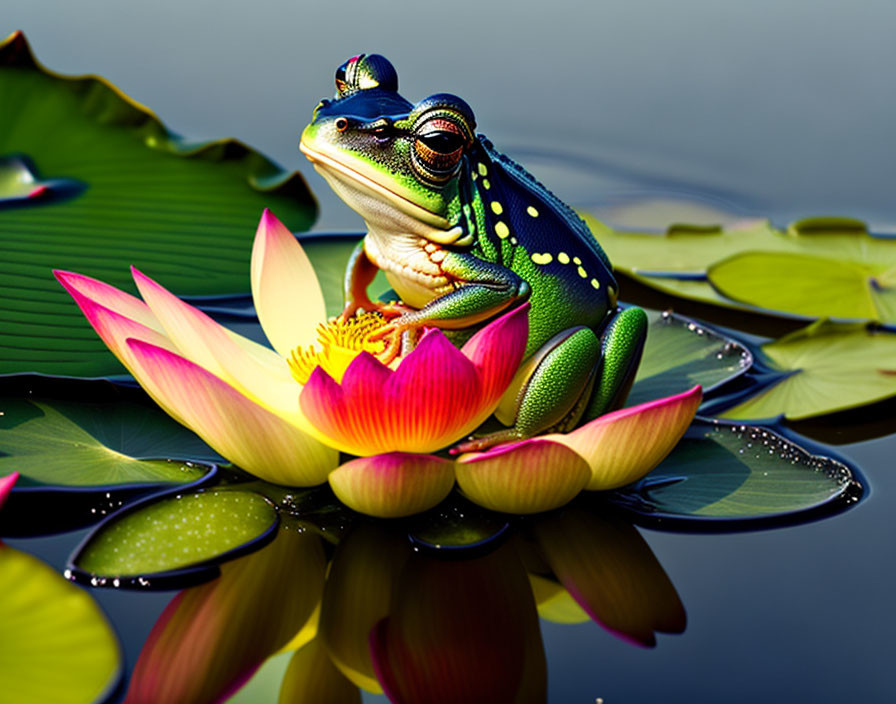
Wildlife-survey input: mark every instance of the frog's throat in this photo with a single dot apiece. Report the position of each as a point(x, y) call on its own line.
point(382, 208)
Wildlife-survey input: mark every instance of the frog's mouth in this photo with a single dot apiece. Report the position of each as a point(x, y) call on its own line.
point(329, 166)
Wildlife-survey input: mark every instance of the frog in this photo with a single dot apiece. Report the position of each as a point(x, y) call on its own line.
point(463, 234)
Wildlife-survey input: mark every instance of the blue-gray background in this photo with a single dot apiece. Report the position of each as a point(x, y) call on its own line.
point(769, 107)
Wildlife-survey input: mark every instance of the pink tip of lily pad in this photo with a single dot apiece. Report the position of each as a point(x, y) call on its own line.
point(6, 486)
point(394, 484)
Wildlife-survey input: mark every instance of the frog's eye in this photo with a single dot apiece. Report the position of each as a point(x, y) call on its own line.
point(438, 147)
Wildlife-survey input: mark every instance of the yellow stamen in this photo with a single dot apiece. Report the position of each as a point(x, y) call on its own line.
point(340, 341)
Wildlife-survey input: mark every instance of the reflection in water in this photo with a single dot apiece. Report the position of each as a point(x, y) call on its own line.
point(404, 622)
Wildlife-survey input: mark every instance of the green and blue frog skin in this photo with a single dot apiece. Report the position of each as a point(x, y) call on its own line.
point(463, 234)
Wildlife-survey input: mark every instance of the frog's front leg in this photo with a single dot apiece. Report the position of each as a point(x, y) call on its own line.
point(574, 377)
point(359, 274)
point(481, 290)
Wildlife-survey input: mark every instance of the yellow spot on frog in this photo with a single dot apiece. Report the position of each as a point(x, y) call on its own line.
point(497, 208)
point(596, 284)
point(576, 260)
point(340, 340)
point(542, 259)
point(582, 273)
point(501, 230)
point(486, 184)
point(480, 167)
point(563, 258)
point(532, 211)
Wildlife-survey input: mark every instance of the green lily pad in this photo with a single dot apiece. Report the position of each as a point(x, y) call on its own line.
point(824, 368)
point(66, 444)
point(153, 543)
point(680, 353)
point(819, 267)
point(55, 642)
point(722, 472)
point(184, 213)
point(813, 286)
point(457, 524)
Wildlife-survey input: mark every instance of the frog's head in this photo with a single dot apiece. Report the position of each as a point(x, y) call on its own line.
point(395, 163)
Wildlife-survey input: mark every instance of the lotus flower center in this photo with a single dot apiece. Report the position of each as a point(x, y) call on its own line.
point(339, 342)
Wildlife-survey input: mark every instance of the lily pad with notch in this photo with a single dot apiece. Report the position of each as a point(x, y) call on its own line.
point(726, 476)
point(129, 192)
point(762, 269)
point(173, 541)
point(823, 368)
point(82, 461)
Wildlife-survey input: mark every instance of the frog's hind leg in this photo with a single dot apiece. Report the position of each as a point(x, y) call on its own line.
point(550, 390)
point(621, 346)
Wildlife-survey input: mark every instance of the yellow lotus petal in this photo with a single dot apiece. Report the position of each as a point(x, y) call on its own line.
point(527, 477)
point(312, 677)
point(285, 289)
point(554, 603)
point(394, 484)
point(623, 446)
point(263, 376)
point(256, 439)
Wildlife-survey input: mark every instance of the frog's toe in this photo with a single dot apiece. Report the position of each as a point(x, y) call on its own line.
point(484, 442)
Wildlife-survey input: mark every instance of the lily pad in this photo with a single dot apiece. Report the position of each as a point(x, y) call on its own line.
point(185, 213)
point(726, 476)
point(823, 368)
point(680, 353)
point(174, 541)
point(81, 461)
point(55, 642)
point(817, 267)
point(457, 526)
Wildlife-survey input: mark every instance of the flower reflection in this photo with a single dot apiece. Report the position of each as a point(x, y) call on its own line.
point(408, 624)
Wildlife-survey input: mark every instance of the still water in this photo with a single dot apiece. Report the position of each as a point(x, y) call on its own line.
point(755, 109)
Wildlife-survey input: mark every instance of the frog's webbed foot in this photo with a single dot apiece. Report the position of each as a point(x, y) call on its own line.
point(390, 310)
point(400, 336)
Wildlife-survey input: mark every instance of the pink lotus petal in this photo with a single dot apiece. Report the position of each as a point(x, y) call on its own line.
point(527, 477)
point(255, 371)
point(429, 401)
point(115, 329)
point(434, 396)
point(393, 485)
point(245, 433)
point(623, 446)
point(285, 289)
point(497, 350)
point(82, 287)
point(6, 484)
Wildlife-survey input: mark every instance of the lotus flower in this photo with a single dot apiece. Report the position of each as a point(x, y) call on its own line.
point(262, 409)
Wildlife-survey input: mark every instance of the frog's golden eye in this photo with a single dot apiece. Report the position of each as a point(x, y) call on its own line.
point(438, 148)
point(341, 124)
